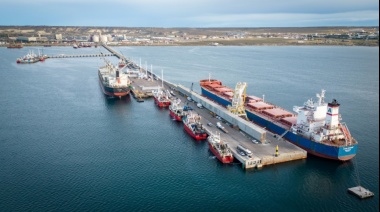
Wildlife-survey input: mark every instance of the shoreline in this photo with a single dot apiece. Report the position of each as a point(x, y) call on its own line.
point(371, 43)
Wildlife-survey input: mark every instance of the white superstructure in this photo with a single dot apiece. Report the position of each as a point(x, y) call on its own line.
point(113, 77)
point(320, 122)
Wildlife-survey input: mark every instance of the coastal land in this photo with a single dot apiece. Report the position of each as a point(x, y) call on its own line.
point(144, 36)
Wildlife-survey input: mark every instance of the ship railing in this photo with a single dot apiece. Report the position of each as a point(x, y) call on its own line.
point(346, 133)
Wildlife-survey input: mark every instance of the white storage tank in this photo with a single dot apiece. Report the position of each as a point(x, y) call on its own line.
point(103, 38)
point(95, 38)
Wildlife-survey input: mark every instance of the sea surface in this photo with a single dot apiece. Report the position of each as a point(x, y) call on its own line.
point(64, 146)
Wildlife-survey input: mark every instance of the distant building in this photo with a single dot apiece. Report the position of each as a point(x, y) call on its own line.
point(26, 39)
point(58, 36)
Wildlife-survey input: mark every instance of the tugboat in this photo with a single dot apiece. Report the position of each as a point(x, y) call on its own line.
point(220, 149)
point(161, 98)
point(176, 111)
point(193, 127)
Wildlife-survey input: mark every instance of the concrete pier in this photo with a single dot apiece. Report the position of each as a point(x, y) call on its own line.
point(260, 142)
point(243, 133)
point(361, 192)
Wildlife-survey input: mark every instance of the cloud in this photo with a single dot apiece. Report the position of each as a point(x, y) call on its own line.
point(285, 19)
point(191, 13)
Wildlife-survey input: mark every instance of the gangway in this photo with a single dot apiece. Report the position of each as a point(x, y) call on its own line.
point(283, 134)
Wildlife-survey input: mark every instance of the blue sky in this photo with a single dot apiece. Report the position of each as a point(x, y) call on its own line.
point(190, 13)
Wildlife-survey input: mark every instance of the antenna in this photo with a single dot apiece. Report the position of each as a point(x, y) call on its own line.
point(209, 77)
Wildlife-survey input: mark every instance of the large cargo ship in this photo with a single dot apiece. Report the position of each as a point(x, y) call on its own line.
point(113, 81)
point(220, 149)
point(315, 127)
point(193, 126)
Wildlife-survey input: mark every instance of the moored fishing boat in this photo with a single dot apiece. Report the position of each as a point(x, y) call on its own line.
point(193, 126)
point(176, 111)
point(31, 57)
point(219, 148)
point(162, 98)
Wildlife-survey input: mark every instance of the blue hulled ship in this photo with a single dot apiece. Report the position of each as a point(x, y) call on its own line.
point(315, 127)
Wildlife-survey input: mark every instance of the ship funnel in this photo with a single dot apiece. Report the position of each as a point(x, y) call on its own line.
point(117, 76)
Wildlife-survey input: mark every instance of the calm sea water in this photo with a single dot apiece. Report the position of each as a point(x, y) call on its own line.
point(64, 146)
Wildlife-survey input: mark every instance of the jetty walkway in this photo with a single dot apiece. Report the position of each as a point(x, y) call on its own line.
point(80, 55)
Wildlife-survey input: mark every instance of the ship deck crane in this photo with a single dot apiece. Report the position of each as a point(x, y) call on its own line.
point(238, 100)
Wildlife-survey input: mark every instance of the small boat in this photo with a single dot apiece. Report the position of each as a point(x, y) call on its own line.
point(176, 111)
point(193, 126)
point(31, 57)
point(122, 63)
point(15, 46)
point(161, 98)
point(219, 148)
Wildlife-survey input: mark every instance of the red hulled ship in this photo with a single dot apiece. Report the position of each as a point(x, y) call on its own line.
point(193, 126)
point(176, 111)
point(220, 149)
point(161, 98)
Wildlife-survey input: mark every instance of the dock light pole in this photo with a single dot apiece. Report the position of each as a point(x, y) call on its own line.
point(151, 71)
point(162, 78)
point(146, 69)
point(263, 97)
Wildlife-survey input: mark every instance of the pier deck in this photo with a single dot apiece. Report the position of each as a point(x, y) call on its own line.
point(142, 88)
